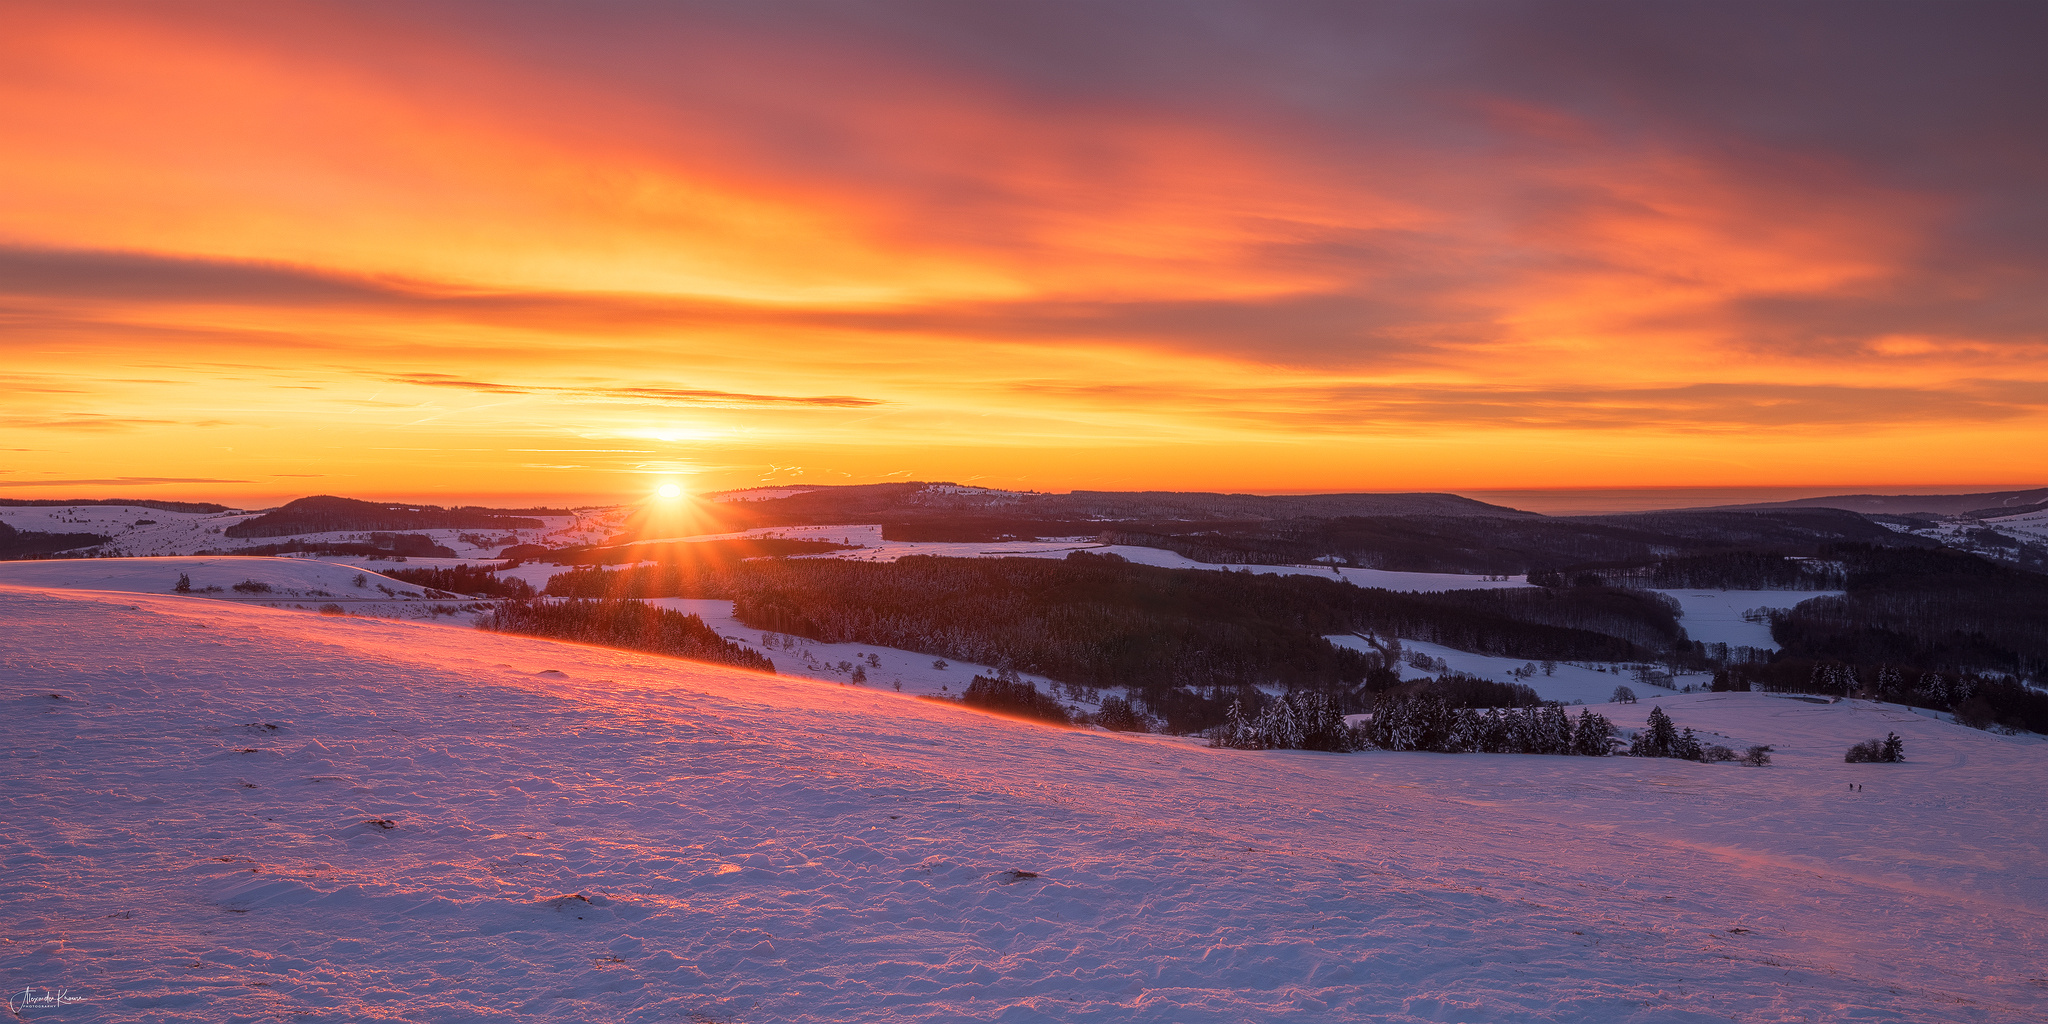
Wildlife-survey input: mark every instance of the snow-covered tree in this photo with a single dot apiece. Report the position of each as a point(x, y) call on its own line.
point(1657, 738)
point(1590, 738)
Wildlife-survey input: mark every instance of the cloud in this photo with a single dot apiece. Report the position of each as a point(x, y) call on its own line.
point(138, 481)
point(1691, 408)
point(636, 393)
point(1231, 222)
point(85, 421)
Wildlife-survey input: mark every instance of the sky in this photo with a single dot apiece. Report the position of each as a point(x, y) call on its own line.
point(573, 251)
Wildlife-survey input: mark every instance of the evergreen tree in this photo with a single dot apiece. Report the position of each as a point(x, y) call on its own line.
point(1688, 747)
point(1894, 748)
point(1233, 732)
point(1890, 686)
point(1591, 737)
point(1118, 715)
point(1467, 728)
point(1555, 731)
point(1657, 738)
point(1494, 733)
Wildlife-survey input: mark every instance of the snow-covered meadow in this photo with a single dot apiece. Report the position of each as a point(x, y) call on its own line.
point(220, 812)
point(141, 531)
point(305, 584)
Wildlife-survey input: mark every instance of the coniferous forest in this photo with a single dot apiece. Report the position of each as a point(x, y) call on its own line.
point(1181, 640)
point(633, 625)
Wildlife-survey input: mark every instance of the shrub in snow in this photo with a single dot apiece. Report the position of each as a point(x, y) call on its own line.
point(253, 587)
point(1889, 750)
point(184, 584)
point(1118, 715)
point(1016, 698)
point(1757, 757)
point(1623, 695)
point(1720, 754)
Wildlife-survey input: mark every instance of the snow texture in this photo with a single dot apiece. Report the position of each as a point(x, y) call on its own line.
point(212, 811)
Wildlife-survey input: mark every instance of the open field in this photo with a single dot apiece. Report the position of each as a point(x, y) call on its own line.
point(193, 833)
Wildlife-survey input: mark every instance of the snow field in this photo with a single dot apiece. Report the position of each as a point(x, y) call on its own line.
point(191, 832)
point(1715, 616)
point(147, 532)
point(811, 659)
point(304, 584)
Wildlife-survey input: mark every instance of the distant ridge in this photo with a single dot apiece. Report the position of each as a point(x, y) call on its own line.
point(916, 500)
point(1979, 505)
point(160, 506)
point(1150, 504)
point(328, 514)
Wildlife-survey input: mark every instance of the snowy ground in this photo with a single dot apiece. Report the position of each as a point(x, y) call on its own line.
point(303, 584)
point(872, 548)
point(192, 799)
point(1569, 682)
point(140, 531)
point(1715, 616)
point(918, 674)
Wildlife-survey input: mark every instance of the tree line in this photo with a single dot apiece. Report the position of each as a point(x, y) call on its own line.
point(474, 580)
point(1183, 641)
point(633, 625)
point(1720, 570)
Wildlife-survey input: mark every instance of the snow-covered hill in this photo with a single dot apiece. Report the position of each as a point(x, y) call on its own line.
point(142, 531)
point(212, 811)
point(304, 584)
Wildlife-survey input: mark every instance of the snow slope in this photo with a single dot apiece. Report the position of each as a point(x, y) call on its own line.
point(193, 797)
point(141, 531)
point(917, 674)
point(302, 583)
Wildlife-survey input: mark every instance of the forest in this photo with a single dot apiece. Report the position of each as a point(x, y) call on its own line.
point(1937, 610)
point(329, 514)
point(1184, 641)
point(1720, 570)
point(473, 580)
point(631, 625)
point(1500, 544)
point(20, 544)
point(679, 560)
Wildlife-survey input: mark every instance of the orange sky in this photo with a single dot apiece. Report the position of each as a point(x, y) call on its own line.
point(501, 250)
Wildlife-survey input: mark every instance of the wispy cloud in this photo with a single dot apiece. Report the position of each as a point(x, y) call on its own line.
point(639, 394)
point(823, 236)
point(121, 481)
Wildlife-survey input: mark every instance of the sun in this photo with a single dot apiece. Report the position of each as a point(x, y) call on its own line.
point(669, 491)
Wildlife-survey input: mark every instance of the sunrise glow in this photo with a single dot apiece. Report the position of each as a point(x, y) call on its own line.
point(508, 250)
